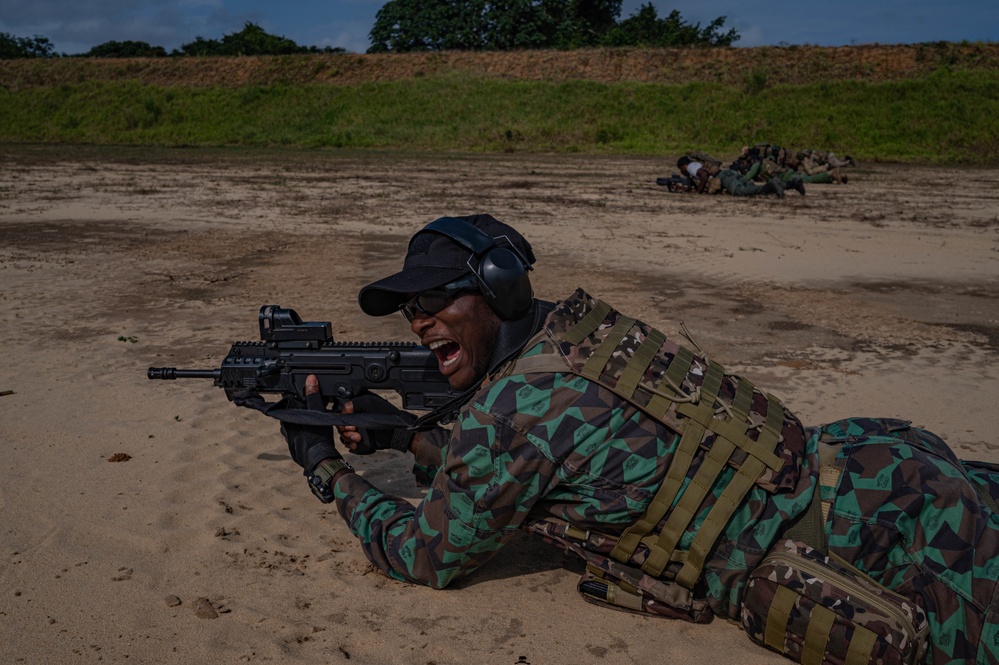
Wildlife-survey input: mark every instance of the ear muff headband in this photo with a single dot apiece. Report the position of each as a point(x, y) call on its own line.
point(501, 271)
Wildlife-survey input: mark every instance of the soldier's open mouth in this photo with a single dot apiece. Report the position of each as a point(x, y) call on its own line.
point(447, 352)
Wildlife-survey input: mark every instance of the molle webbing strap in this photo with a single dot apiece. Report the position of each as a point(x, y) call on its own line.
point(661, 502)
point(734, 430)
point(710, 386)
point(730, 498)
point(675, 474)
point(671, 381)
point(736, 490)
point(595, 364)
point(692, 434)
point(686, 509)
point(861, 646)
point(738, 487)
point(678, 556)
point(743, 400)
point(639, 363)
point(725, 506)
point(587, 325)
point(778, 616)
point(729, 435)
point(820, 623)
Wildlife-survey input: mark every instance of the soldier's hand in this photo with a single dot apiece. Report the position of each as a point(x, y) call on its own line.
point(362, 441)
point(310, 444)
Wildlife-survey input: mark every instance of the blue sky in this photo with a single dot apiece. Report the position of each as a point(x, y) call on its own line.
point(74, 26)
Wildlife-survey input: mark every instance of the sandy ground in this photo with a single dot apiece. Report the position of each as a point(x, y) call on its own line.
point(204, 545)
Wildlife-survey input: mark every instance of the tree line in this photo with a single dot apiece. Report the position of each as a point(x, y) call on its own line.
point(403, 26)
point(498, 25)
point(251, 40)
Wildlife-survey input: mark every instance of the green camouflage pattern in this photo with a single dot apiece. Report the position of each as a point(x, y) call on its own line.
point(916, 519)
point(742, 543)
point(791, 448)
point(566, 458)
point(558, 446)
point(898, 625)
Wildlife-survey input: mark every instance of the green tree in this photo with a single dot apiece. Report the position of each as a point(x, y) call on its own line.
point(12, 47)
point(585, 22)
point(125, 49)
point(645, 28)
point(200, 47)
point(427, 25)
point(251, 40)
point(517, 24)
point(433, 25)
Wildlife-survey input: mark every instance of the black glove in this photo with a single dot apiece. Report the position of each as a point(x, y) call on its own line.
point(382, 439)
point(309, 444)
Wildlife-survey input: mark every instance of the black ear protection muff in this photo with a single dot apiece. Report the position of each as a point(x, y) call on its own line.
point(501, 271)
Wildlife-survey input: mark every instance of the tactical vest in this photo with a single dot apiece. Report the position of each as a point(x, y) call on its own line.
point(710, 164)
point(721, 421)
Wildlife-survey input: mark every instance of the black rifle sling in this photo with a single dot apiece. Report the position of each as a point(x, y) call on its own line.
point(281, 411)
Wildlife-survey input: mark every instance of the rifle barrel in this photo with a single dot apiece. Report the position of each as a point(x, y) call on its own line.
point(171, 373)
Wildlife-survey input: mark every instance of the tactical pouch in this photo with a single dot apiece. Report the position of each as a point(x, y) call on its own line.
point(815, 609)
point(650, 596)
point(612, 584)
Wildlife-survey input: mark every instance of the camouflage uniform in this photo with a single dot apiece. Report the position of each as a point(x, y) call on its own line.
point(817, 161)
point(764, 169)
point(738, 185)
point(567, 458)
point(921, 522)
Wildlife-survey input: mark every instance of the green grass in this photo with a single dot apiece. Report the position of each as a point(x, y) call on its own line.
point(946, 117)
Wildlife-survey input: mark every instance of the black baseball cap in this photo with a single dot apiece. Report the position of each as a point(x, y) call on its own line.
point(433, 260)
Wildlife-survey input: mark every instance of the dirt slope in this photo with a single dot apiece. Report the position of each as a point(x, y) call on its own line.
point(788, 64)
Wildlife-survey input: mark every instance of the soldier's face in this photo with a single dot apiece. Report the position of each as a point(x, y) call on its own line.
point(462, 336)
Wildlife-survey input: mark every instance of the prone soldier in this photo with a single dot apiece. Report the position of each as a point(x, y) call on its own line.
point(688, 491)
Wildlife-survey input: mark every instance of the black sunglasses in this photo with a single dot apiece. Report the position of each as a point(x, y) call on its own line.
point(432, 301)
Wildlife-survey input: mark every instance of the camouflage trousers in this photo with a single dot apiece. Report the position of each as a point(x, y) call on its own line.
point(823, 178)
point(921, 522)
point(738, 185)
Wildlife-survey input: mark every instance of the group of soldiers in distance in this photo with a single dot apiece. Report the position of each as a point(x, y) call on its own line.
point(760, 170)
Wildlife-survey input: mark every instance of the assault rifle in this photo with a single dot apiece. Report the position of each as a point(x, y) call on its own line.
point(291, 349)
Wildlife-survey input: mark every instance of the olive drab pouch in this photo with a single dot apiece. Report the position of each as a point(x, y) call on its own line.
point(814, 608)
point(612, 584)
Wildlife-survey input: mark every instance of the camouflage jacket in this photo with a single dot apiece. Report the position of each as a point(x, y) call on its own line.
point(556, 447)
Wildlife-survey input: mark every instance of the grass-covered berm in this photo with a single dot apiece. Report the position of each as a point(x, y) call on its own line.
point(926, 103)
